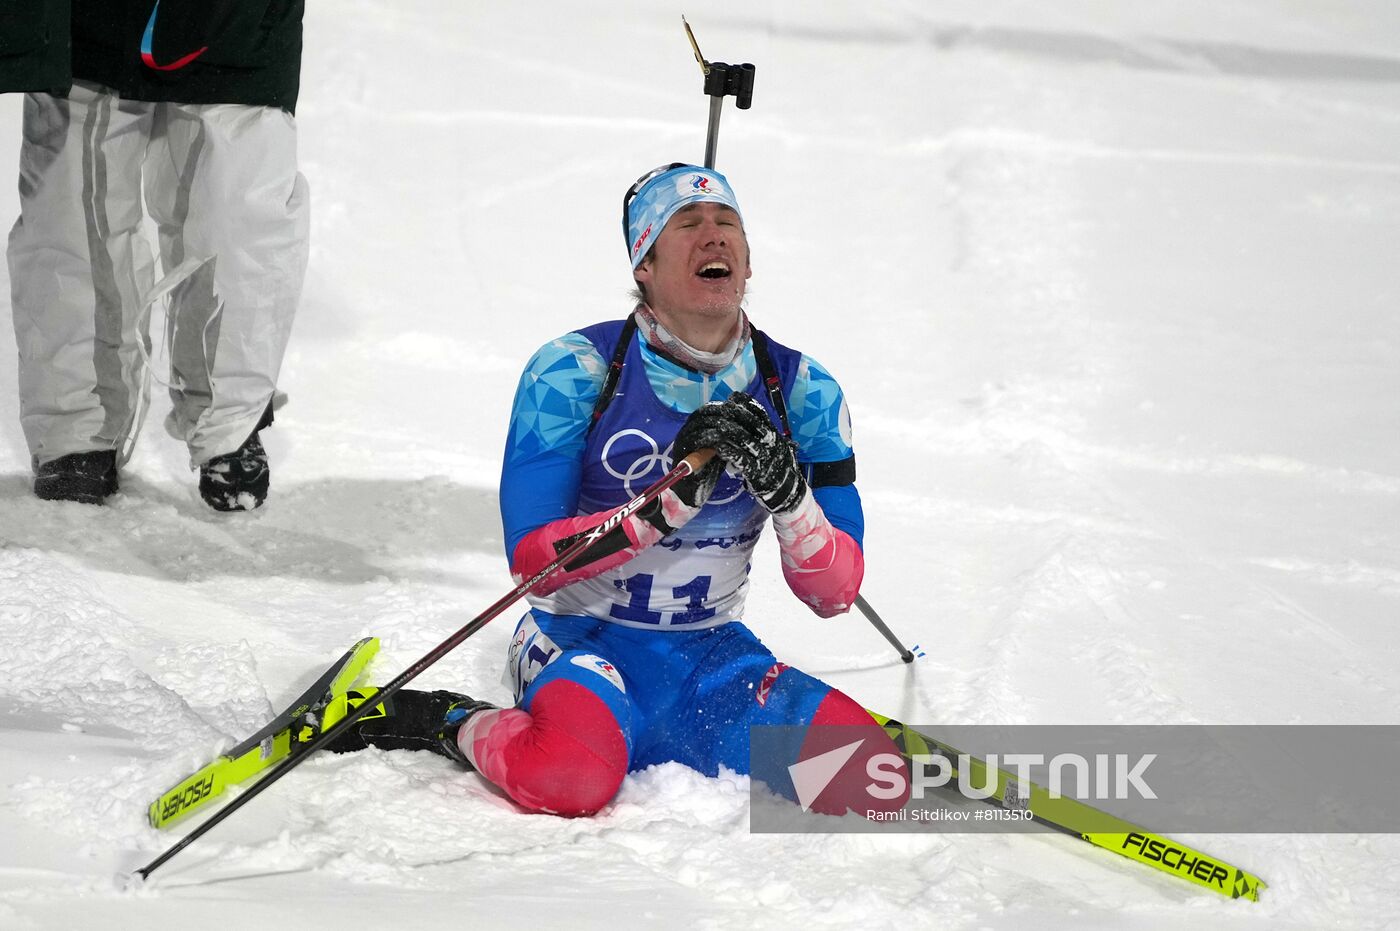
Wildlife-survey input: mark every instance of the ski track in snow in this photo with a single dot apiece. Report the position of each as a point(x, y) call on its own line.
point(1111, 291)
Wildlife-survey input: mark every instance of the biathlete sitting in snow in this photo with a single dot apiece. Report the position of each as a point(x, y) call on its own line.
point(638, 656)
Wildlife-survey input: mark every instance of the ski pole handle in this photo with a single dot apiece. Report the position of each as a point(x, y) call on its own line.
point(695, 462)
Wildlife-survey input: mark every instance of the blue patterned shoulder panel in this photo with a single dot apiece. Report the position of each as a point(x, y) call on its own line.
point(821, 421)
point(554, 400)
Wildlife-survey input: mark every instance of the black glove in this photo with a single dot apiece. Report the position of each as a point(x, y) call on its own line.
point(744, 436)
point(696, 433)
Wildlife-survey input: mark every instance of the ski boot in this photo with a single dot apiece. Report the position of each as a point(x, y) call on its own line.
point(410, 720)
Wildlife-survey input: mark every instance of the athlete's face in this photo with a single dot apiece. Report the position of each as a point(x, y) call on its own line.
point(699, 265)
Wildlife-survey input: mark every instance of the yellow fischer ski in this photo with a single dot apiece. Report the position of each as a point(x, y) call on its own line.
point(263, 749)
point(1086, 822)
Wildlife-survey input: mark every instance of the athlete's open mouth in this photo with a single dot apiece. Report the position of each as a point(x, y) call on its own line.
point(714, 270)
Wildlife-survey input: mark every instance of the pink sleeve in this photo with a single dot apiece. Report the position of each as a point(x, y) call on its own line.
point(543, 545)
point(822, 565)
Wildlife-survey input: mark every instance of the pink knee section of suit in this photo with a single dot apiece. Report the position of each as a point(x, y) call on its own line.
point(840, 709)
point(833, 726)
point(566, 756)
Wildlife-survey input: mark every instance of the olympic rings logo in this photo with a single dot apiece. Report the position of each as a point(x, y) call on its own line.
point(648, 462)
point(642, 466)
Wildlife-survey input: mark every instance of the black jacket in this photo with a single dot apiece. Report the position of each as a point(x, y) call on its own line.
point(200, 51)
point(34, 46)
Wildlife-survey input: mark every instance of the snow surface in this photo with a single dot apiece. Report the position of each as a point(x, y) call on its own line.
point(1113, 290)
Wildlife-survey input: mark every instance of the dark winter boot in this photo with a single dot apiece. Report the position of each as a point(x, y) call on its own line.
point(410, 721)
point(238, 481)
point(87, 478)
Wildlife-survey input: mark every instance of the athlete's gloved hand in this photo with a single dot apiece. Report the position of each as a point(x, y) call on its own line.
point(696, 433)
point(744, 436)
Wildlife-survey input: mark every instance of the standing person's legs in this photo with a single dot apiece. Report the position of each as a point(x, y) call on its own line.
point(79, 267)
point(233, 212)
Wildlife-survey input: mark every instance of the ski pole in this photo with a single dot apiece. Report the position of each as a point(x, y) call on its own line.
point(687, 466)
point(721, 80)
point(870, 615)
point(724, 80)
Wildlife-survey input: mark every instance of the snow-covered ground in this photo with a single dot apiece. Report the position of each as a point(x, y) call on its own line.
point(1114, 290)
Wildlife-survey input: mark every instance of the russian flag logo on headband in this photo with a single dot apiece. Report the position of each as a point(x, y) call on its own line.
point(698, 185)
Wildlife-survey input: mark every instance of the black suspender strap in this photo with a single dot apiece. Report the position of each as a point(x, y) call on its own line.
point(771, 383)
point(614, 375)
point(818, 474)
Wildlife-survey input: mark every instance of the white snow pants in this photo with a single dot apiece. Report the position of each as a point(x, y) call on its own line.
point(221, 184)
